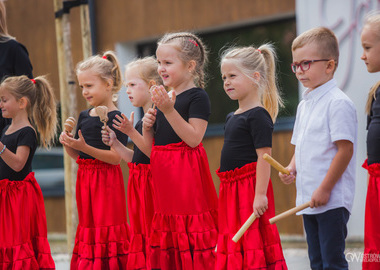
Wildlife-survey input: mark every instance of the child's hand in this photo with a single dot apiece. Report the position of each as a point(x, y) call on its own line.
point(260, 205)
point(320, 197)
point(163, 101)
point(63, 137)
point(124, 124)
point(288, 178)
point(149, 119)
point(77, 144)
point(108, 136)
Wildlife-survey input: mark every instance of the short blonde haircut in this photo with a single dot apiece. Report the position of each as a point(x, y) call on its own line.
point(324, 38)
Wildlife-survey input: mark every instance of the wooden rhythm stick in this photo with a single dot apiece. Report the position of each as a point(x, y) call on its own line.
point(243, 228)
point(275, 164)
point(289, 212)
point(102, 112)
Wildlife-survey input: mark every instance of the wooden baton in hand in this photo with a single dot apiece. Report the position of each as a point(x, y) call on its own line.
point(243, 228)
point(275, 164)
point(289, 212)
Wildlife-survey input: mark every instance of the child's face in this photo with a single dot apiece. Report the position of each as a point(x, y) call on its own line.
point(235, 83)
point(96, 91)
point(371, 48)
point(137, 88)
point(8, 104)
point(318, 73)
point(173, 71)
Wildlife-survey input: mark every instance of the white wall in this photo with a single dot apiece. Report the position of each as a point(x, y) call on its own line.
point(345, 18)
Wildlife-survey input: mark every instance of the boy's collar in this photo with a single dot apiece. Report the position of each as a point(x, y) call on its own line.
point(318, 92)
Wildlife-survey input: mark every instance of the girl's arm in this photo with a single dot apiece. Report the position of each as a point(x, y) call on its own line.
point(108, 156)
point(191, 132)
point(16, 161)
point(260, 203)
point(144, 141)
point(109, 138)
point(338, 165)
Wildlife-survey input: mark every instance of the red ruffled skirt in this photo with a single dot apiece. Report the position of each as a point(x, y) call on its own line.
point(372, 219)
point(184, 227)
point(102, 238)
point(260, 246)
point(23, 232)
point(141, 211)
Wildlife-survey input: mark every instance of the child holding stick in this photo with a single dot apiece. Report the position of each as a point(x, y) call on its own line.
point(249, 77)
point(102, 238)
point(324, 136)
point(140, 76)
point(184, 227)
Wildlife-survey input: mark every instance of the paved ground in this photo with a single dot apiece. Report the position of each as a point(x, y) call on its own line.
point(295, 253)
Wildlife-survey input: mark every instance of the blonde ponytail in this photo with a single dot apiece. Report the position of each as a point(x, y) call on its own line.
point(271, 98)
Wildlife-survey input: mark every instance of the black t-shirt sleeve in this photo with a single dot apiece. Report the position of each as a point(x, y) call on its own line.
point(27, 138)
point(261, 128)
point(200, 105)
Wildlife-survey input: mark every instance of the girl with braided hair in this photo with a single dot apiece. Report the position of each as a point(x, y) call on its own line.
point(184, 227)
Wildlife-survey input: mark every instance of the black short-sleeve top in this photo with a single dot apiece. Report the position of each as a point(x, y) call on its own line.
point(91, 128)
point(138, 156)
point(192, 103)
point(25, 136)
point(244, 133)
point(373, 135)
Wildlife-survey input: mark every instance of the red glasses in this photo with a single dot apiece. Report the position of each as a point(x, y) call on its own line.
point(304, 65)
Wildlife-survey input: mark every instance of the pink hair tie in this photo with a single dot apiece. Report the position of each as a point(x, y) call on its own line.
point(33, 81)
point(192, 41)
point(104, 57)
point(258, 50)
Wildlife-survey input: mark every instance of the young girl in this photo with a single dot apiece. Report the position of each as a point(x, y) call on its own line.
point(249, 77)
point(102, 238)
point(31, 105)
point(371, 47)
point(140, 75)
point(184, 227)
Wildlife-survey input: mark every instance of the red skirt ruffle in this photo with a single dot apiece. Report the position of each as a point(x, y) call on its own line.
point(141, 211)
point(260, 246)
point(184, 227)
point(102, 238)
point(23, 233)
point(372, 218)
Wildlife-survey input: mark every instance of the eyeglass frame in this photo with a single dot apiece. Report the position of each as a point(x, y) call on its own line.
point(299, 65)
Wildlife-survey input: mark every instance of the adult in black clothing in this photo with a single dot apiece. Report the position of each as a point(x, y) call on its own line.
point(14, 58)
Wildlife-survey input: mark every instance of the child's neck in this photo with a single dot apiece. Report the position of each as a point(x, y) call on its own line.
point(248, 103)
point(19, 122)
point(184, 87)
point(147, 106)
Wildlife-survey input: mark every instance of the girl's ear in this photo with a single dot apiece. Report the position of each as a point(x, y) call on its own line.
point(191, 65)
point(109, 84)
point(256, 77)
point(23, 102)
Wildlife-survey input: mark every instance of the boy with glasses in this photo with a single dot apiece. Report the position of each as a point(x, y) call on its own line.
point(324, 136)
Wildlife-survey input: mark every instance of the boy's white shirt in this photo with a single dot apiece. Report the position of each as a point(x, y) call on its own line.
point(325, 115)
